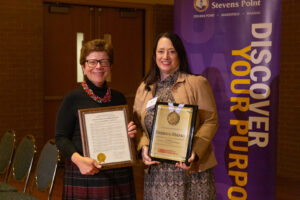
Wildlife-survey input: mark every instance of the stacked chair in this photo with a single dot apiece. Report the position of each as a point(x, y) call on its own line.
point(46, 170)
point(41, 184)
point(7, 147)
point(21, 166)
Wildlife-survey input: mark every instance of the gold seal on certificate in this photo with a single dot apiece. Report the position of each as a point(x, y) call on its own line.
point(172, 132)
point(101, 157)
point(173, 118)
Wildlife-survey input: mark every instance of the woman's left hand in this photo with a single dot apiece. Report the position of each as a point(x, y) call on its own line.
point(190, 160)
point(131, 129)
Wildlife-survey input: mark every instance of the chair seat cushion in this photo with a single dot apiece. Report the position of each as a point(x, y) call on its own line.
point(5, 187)
point(16, 196)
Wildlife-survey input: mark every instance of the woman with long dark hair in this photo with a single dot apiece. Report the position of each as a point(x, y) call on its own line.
point(170, 80)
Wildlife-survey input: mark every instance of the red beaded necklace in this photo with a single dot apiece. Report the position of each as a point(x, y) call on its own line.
point(96, 98)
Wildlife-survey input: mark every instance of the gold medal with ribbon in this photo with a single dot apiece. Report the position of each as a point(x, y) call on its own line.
point(173, 117)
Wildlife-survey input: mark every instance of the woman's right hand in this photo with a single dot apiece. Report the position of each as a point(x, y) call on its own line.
point(86, 165)
point(146, 158)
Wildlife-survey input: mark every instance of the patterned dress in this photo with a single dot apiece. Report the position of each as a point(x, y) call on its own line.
point(167, 182)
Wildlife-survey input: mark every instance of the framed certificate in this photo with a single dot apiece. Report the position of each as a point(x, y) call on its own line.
point(105, 137)
point(172, 132)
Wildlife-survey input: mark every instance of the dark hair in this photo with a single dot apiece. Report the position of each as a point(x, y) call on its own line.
point(96, 45)
point(154, 73)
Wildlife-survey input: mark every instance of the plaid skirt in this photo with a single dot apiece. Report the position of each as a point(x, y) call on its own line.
point(111, 184)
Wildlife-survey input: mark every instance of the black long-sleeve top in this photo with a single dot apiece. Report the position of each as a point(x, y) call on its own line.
point(67, 131)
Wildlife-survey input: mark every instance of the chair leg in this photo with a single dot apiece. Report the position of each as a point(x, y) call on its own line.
point(52, 182)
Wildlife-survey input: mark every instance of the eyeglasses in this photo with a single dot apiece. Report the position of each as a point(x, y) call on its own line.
point(92, 63)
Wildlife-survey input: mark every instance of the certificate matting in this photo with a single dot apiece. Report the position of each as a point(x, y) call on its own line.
point(171, 137)
point(105, 137)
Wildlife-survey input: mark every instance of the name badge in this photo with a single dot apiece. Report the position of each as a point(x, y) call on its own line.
point(151, 103)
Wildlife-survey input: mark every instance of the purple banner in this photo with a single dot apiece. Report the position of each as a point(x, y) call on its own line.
point(235, 45)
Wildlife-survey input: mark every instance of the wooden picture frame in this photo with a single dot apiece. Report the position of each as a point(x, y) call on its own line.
point(104, 135)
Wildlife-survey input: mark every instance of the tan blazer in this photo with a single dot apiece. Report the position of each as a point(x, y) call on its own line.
point(189, 89)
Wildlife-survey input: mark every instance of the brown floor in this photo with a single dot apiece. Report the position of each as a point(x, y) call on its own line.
point(287, 189)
